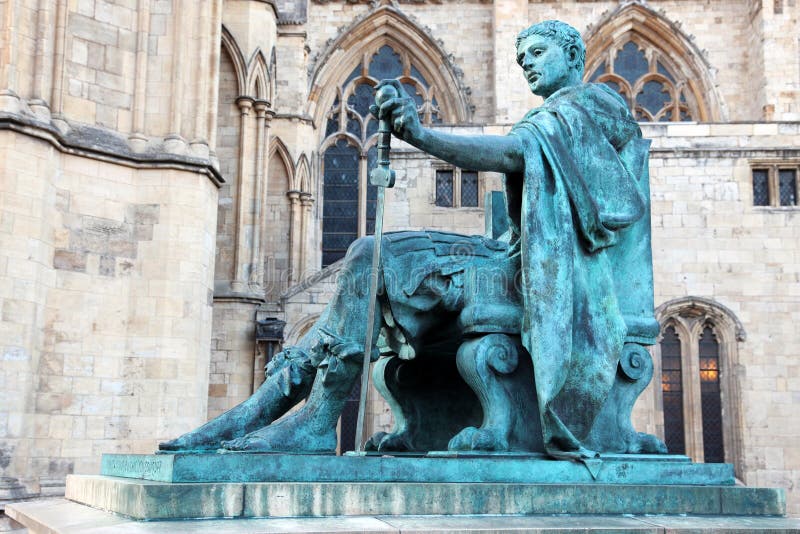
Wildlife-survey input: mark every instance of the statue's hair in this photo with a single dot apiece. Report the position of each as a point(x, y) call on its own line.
point(564, 34)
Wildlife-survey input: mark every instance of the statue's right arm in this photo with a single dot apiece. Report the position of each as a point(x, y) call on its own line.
point(496, 153)
point(474, 152)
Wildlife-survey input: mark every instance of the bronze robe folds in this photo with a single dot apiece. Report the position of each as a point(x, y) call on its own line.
point(576, 193)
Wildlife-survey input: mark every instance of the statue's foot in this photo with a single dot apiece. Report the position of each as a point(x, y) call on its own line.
point(194, 441)
point(292, 434)
point(385, 442)
point(646, 444)
point(478, 439)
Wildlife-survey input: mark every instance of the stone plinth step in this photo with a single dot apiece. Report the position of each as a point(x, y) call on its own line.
point(65, 517)
point(434, 467)
point(145, 499)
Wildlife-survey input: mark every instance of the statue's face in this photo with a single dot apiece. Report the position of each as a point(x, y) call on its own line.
point(546, 65)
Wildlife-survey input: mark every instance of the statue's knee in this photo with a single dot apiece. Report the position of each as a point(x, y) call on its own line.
point(360, 250)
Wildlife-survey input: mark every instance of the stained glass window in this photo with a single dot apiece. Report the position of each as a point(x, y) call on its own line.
point(787, 187)
point(761, 187)
point(444, 188)
point(645, 79)
point(469, 189)
point(340, 209)
point(350, 136)
point(672, 391)
point(711, 401)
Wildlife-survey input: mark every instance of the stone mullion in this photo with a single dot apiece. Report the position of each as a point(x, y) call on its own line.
point(294, 240)
point(692, 406)
point(137, 139)
point(238, 284)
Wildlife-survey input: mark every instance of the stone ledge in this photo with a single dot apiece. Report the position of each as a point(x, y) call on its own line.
point(148, 500)
point(65, 517)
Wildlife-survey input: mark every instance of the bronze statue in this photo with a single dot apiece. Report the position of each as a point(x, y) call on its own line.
point(530, 342)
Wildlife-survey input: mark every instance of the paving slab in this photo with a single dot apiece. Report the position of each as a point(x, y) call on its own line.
point(60, 516)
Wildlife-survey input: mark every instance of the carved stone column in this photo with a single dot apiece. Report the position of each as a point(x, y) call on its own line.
point(260, 187)
point(306, 201)
point(240, 256)
point(294, 231)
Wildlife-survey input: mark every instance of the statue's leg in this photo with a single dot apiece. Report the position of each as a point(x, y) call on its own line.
point(289, 378)
point(339, 352)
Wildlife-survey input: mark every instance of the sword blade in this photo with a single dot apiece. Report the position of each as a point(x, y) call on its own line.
point(373, 299)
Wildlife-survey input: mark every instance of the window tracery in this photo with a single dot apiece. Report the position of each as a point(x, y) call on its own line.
point(349, 147)
point(644, 76)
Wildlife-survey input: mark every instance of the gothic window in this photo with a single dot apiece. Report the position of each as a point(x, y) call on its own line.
point(645, 77)
point(699, 392)
point(672, 391)
point(710, 400)
point(775, 183)
point(456, 188)
point(349, 153)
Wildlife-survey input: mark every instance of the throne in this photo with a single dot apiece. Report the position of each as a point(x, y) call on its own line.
point(472, 389)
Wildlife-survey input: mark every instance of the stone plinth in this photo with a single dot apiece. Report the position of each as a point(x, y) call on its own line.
point(144, 499)
point(442, 467)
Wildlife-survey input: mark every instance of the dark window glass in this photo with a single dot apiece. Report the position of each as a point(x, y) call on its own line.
point(418, 75)
point(662, 70)
point(340, 201)
point(349, 419)
point(787, 187)
point(469, 189)
point(332, 125)
point(362, 98)
point(386, 63)
point(372, 191)
point(353, 126)
point(672, 391)
point(760, 187)
point(711, 401)
point(444, 188)
point(630, 63)
point(653, 96)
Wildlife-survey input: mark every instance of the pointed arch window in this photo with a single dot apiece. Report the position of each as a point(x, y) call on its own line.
point(697, 352)
point(349, 147)
point(648, 80)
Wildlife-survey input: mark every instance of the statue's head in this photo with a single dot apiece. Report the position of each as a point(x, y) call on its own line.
point(552, 54)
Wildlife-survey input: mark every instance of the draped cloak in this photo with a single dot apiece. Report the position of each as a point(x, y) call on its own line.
point(576, 193)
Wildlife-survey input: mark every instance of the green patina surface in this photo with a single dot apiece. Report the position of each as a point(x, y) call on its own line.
point(530, 338)
point(434, 468)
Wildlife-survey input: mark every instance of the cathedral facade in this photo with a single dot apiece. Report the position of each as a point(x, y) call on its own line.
point(179, 180)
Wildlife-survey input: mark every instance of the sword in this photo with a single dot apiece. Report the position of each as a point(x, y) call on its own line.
point(382, 177)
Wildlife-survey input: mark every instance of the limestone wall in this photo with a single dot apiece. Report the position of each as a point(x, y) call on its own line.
point(107, 280)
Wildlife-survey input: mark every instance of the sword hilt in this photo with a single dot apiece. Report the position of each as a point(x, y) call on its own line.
point(383, 175)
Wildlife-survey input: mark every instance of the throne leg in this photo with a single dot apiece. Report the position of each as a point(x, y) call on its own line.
point(499, 371)
point(612, 430)
point(429, 400)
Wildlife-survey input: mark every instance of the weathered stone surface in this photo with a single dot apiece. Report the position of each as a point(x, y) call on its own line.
point(143, 499)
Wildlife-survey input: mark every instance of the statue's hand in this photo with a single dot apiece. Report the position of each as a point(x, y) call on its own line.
point(401, 112)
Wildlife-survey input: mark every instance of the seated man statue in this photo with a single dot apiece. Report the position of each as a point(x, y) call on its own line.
point(575, 182)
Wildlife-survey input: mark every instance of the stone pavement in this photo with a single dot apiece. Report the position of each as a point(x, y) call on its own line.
point(60, 516)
